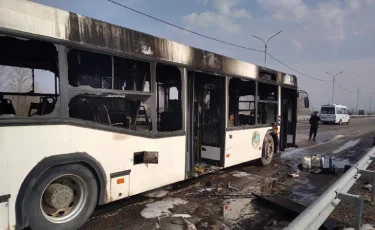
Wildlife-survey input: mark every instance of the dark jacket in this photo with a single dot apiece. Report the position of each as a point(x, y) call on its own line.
point(314, 120)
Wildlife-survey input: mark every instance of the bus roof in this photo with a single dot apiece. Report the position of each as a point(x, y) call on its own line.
point(32, 20)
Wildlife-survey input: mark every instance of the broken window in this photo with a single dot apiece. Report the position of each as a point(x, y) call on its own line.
point(114, 110)
point(28, 77)
point(241, 102)
point(119, 106)
point(89, 69)
point(169, 105)
point(131, 75)
point(267, 105)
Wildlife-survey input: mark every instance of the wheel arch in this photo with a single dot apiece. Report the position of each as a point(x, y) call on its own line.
point(49, 162)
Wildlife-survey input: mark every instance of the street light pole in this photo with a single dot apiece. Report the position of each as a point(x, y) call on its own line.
point(333, 83)
point(369, 106)
point(358, 88)
point(266, 44)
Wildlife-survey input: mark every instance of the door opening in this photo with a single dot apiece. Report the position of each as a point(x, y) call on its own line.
point(288, 118)
point(206, 131)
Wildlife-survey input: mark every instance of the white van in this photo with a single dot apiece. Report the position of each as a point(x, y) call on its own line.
point(334, 114)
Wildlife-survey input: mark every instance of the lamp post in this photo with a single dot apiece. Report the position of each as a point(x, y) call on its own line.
point(369, 106)
point(358, 88)
point(333, 83)
point(266, 43)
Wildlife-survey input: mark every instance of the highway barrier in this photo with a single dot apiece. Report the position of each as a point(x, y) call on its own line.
point(306, 118)
point(316, 213)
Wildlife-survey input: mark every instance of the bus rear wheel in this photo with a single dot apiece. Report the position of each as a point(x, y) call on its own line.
point(64, 198)
point(268, 150)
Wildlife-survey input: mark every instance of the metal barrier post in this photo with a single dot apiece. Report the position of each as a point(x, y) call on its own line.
point(356, 201)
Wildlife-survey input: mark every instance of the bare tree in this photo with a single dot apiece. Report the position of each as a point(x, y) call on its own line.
point(19, 80)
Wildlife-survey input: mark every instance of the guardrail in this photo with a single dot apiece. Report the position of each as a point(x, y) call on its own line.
point(315, 214)
point(351, 116)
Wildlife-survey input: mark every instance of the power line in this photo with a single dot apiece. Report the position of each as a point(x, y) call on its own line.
point(221, 41)
point(182, 28)
point(279, 61)
point(344, 88)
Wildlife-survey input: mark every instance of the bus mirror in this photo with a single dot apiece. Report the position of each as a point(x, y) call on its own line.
point(307, 102)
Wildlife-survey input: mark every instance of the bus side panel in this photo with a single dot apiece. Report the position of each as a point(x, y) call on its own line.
point(22, 147)
point(240, 146)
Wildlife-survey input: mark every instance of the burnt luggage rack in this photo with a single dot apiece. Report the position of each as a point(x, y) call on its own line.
point(315, 214)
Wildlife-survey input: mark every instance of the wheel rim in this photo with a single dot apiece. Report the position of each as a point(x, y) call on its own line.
point(63, 198)
point(269, 149)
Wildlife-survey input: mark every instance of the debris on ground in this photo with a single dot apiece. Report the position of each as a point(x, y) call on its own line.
point(367, 187)
point(364, 227)
point(175, 223)
point(161, 208)
point(294, 175)
point(240, 174)
point(157, 194)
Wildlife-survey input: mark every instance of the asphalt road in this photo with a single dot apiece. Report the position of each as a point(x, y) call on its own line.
point(344, 143)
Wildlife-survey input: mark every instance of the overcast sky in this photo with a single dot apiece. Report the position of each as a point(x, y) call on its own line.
point(318, 35)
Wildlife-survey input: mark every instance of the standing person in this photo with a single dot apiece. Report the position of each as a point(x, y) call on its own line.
point(314, 123)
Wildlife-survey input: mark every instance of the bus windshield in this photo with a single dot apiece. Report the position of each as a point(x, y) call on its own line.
point(328, 110)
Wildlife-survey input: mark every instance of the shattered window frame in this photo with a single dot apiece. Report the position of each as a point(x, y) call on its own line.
point(99, 104)
point(236, 87)
point(41, 60)
point(163, 96)
point(268, 101)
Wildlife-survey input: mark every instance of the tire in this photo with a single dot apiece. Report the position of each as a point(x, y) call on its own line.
point(348, 122)
point(79, 202)
point(325, 123)
point(267, 150)
point(340, 122)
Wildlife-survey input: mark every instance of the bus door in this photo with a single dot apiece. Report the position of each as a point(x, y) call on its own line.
point(207, 118)
point(288, 118)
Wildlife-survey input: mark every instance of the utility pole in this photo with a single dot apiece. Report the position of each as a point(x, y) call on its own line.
point(266, 43)
point(369, 106)
point(333, 83)
point(358, 88)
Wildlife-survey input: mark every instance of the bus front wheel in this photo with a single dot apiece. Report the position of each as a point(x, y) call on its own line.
point(268, 150)
point(64, 198)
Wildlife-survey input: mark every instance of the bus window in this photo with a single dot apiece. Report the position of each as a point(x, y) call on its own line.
point(131, 75)
point(28, 78)
point(169, 106)
point(267, 103)
point(89, 69)
point(129, 110)
point(242, 102)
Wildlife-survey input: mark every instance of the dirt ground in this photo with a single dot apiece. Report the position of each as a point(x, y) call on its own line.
point(346, 213)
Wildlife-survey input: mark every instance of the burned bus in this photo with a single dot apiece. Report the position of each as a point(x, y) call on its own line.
point(91, 113)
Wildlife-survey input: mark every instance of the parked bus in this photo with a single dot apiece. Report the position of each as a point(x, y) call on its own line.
point(91, 113)
point(334, 114)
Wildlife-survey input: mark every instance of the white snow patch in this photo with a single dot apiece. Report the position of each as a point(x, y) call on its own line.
point(182, 215)
point(347, 145)
point(157, 194)
point(161, 208)
point(240, 174)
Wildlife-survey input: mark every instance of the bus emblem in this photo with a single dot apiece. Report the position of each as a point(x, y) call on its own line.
point(256, 139)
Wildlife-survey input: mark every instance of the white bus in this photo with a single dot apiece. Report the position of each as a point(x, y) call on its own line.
point(91, 113)
point(334, 114)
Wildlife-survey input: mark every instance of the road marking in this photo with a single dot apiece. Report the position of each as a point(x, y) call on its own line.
point(288, 153)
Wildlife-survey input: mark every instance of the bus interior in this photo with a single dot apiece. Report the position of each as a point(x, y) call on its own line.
point(206, 121)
